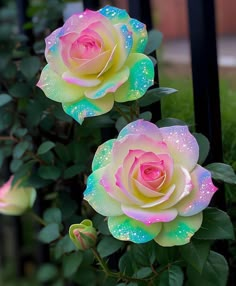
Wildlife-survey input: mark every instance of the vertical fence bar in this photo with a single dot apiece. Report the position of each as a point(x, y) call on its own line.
point(205, 78)
point(141, 10)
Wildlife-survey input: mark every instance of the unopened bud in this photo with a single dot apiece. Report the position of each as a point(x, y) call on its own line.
point(83, 234)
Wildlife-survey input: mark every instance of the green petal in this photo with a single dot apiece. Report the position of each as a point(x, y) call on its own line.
point(88, 107)
point(115, 15)
point(56, 88)
point(140, 79)
point(98, 198)
point(179, 231)
point(140, 37)
point(126, 228)
point(103, 155)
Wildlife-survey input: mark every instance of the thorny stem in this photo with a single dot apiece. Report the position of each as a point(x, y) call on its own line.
point(38, 218)
point(10, 138)
point(119, 275)
point(122, 113)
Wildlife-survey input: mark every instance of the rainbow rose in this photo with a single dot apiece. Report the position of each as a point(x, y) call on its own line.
point(94, 59)
point(16, 199)
point(149, 185)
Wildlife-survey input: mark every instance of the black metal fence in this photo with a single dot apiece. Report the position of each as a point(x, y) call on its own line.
point(201, 15)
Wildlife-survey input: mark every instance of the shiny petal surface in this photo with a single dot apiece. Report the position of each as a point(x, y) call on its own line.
point(201, 195)
point(102, 156)
point(125, 228)
point(114, 14)
point(87, 107)
point(140, 37)
point(182, 145)
point(98, 198)
point(82, 82)
point(141, 126)
point(110, 83)
point(58, 89)
point(140, 78)
point(179, 231)
point(150, 215)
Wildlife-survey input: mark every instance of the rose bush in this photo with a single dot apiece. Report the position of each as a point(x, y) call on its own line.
point(94, 59)
point(16, 199)
point(148, 183)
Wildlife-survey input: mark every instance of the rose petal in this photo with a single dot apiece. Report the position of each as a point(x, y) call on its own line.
point(56, 88)
point(65, 43)
point(124, 46)
point(141, 126)
point(115, 15)
point(102, 156)
point(110, 83)
point(98, 198)
point(182, 145)
point(179, 231)
point(125, 228)
point(5, 188)
point(88, 81)
point(140, 79)
point(52, 52)
point(183, 186)
point(200, 196)
point(86, 107)
point(140, 36)
point(150, 215)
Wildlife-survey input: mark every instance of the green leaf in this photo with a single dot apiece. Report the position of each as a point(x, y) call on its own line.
point(222, 172)
point(52, 215)
point(214, 273)
point(154, 41)
point(173, 276)
point(49, 233)
point(147, 115)
point(15, 165)
point(127, 264)
point(45, 147)
point(154, 95)
point(144, 254)
point(4, 99)
point(216, 225)
point(20, 149)
point(120, 123)
point(143, 272)
point(20, 89)
point(30, 66)
point(47, 272)
point(49, 172)
point(204, 147)
point(100, 224)
point(64, 245)
point(170, 122)
point(195, 253)
point(73, 171)
point(71, 263)
point(108, 245)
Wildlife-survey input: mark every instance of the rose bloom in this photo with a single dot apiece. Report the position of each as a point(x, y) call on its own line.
point(94, 59)
point(148, 183)
point(15, 200)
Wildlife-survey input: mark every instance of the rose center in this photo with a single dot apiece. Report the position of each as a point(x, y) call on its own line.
point(86, 47)
point(151, 173)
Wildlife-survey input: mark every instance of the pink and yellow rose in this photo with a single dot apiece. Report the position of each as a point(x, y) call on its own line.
point(16, 199)
point(149, 185)
point(94, 59)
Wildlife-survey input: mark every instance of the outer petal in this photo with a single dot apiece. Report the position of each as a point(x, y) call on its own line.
point(98, 198)
point(58, 89)
point(115, 15)
point(201, 195)
point(140, 37)
point(140, 79)
point(87, 107)
point(5, 188)
point(150, 215)
point(102, 156)
point(141, 127)
point(125, 228)
point(110, 83)
point(179, 231)
point(182, 145)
